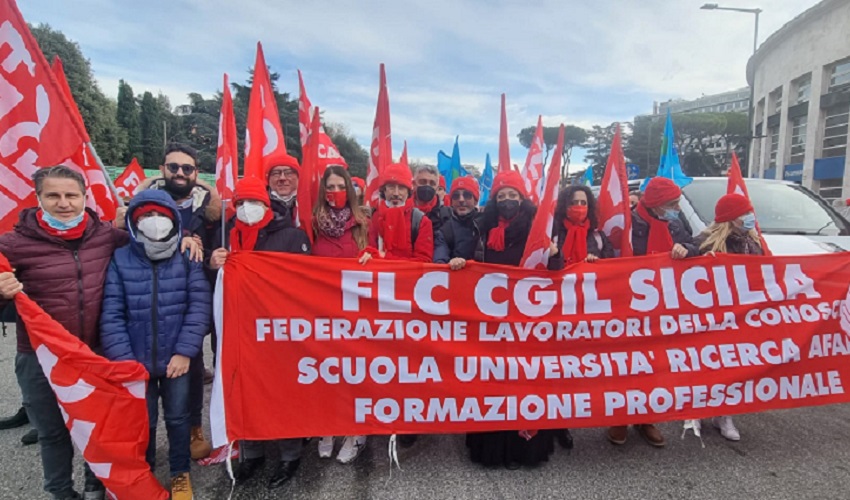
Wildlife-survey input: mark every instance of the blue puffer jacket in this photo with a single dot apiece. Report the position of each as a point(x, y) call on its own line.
point(153, 310)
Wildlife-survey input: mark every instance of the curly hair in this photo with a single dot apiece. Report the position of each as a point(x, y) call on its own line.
point(566, 198)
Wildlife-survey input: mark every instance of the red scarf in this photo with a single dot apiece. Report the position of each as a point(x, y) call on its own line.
point(659, 239)
point(496, 238)
point(244, 236)
point(427, 207)
point(575, 243)
point(394, 227)
point(71, 234)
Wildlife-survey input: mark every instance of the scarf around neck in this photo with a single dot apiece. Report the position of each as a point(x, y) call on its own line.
point(158, 250)
point(659, 239)
point(244, 236)
point(496, 238)
point(575, 243)
point(333, 222)
point(69, 235)
point(394, 227)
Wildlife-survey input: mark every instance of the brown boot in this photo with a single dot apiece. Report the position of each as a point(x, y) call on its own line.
point(652, 435)
point(199, 447)
point(618, 435)
point(181, 487)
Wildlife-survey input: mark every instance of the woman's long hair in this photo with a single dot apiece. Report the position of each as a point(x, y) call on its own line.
point(718, 232)
point(565, 200)
point(322, 209)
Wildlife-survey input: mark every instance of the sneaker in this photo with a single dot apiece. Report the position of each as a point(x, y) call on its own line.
point(326, 447)
point(727, 428)
point(652, 435)
point(30, 437)
point(181, 487)
point(19, 419)
point(199, 447)
point(619, 434)
point(351, 447)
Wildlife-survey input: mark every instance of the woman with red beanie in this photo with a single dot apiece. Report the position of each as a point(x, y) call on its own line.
point(505, 225)
point(733, 231)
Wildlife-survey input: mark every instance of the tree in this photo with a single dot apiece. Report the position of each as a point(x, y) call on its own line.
point(598, 146)
point(98, 111)
point(643, 148)
point(573, 136)
point(128, 119)
point(150, 123)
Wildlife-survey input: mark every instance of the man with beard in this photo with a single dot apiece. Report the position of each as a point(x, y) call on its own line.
point(199, 207)
point(426, 181)
point(455, 242)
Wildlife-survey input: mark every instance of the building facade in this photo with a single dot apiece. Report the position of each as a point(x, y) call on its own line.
point(726, 102)
point(801, 86)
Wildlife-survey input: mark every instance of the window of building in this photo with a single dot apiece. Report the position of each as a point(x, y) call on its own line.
point(804, 88)
point(840, 77)
point(776, 96)
point(774, 145)
point(830, 189)
point(835, 131)
point(798, 139)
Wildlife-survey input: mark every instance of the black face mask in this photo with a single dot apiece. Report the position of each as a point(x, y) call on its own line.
point(425, 193)
point(508, 208)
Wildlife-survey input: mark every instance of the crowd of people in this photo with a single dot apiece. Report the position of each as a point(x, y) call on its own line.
point(140, 288)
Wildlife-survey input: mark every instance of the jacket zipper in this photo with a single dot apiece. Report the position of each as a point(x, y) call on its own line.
point(81, 301)
point(154, 301)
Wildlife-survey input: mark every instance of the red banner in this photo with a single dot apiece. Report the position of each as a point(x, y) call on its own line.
point(341, 349)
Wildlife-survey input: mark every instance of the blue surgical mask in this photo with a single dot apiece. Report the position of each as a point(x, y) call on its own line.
point(670, 215)
point(59, 225)
point(748, 221)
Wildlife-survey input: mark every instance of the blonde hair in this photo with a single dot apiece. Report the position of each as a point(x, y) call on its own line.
point(718, 232)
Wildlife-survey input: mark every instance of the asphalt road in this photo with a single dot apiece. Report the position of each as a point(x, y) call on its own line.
point(794, 455)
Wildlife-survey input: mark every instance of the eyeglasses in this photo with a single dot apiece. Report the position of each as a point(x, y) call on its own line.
point(286, 172)
point(176, 167)
point(466, 195)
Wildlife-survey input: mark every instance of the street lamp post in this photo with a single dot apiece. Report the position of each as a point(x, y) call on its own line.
point(714, 6)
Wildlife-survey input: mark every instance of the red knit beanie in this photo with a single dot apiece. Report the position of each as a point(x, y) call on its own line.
point(509, 179)
point(280, 160)
point(398, 174)
point(731, 206)
point(148, 208)
point(251, 188)
point(660, 190)
point(443, 182)
point(359, 183)
point(467, 183)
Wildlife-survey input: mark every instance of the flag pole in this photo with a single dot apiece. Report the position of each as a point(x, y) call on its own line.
point(223, 224)
point(109, 182)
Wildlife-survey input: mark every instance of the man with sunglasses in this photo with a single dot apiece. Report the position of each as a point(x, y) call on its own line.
point(199, 207)
point(456, 240)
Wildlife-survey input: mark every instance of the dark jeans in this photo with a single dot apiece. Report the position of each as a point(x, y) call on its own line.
point(57, 451)
point(196, 389)
point(175, 405)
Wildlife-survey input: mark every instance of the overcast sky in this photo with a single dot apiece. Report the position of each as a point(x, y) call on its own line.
point(447, 61)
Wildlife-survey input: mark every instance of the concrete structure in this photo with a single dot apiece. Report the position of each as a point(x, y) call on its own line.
point(801, 81)
point(726, 102)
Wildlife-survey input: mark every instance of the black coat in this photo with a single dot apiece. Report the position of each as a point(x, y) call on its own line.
point(458, 237)
point(516, 235)
point(594, 238)
point(680, 235)
point(280, 235)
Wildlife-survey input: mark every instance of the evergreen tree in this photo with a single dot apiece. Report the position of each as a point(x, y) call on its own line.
point(128, 119)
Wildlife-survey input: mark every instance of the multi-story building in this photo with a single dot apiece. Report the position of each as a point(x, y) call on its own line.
point(801, 81)
point(726, 102)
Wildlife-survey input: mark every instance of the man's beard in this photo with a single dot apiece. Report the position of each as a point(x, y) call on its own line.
point(178, 191)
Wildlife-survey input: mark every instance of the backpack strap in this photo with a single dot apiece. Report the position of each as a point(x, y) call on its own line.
point(416, 219)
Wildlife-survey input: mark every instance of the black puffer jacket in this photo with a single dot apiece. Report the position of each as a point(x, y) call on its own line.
point(458, 237)
point(516, 235)
point(680, 235)
point(280, 235)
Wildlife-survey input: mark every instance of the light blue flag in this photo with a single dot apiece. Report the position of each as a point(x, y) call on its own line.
point(485, 183)
point(444, 165)
point(457, 169)
point(669, 165)
point(587, 178)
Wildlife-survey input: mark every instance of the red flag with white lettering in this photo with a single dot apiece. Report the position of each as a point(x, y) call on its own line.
point(532, 172)
point(100, 196)
point(381, 149)
point(308, 187)
point(328, 152)
point(37, 128)
point(615, 215)
point(226, 156)
point(130, 179)
point(736, 185)
point(263, 133)
point(103, 403)
point(537, 246)
point(504, 145)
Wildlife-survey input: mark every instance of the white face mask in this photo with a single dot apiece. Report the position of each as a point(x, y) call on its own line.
point(251, 212)
point(156, 227)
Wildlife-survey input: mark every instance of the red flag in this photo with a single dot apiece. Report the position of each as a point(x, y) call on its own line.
point(32, 108)
point(536, 253)
point(615, 215)
point(532, 173)
point(403, 158)
point(308, 185)
point(328, 152)
point(504, 145)
point(103, 403)
point(100, 196)
point(263, 133)
point(736, 185)
point(130, 179)
point(226, 156)
point(381, 149)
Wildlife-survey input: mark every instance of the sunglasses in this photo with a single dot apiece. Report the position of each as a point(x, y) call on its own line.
point(176, 167)
point(466, 195)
